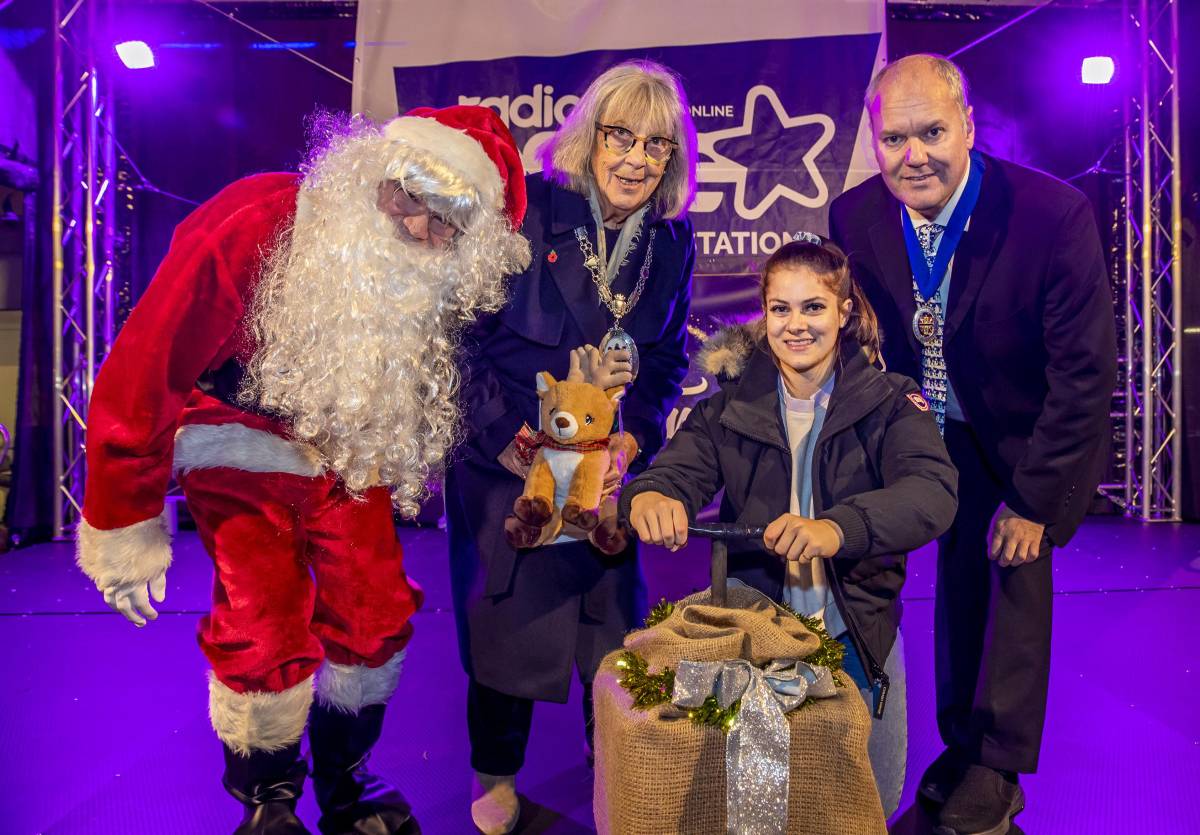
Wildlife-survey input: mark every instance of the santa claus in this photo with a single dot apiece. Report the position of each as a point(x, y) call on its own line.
point(292, 365)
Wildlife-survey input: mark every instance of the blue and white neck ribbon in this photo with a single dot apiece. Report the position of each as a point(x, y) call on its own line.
point(928, 270)
point(929, 276)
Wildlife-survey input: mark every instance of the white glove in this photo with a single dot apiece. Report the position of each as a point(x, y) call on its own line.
point(133, 599)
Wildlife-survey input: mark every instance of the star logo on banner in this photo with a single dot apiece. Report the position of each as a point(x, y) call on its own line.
point(768, 126)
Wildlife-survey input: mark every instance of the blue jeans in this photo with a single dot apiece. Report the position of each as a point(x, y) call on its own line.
point(888, 745)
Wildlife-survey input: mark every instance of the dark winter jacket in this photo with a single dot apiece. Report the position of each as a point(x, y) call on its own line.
point(880, 471)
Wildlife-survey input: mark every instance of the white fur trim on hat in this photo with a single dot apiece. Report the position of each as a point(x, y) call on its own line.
point(136, 553)
point(453, 147)
point(200, 446)
point(351, 687)
point(258, 721)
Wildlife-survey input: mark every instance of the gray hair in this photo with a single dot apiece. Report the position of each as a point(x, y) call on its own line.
point(628, 94)
point(945, 69)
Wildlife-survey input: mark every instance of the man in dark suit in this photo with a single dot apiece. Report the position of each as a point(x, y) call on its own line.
point(990, 284)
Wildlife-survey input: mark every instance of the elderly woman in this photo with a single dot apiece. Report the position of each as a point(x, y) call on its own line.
point(612, 253)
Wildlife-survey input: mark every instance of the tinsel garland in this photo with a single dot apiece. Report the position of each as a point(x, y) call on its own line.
point(653, 689)
point(831, 653)
point(659, 613)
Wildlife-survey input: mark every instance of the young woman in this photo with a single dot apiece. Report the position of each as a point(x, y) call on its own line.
point(840, 461)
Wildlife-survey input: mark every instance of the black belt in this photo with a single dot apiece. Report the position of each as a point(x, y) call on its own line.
point(225, 382)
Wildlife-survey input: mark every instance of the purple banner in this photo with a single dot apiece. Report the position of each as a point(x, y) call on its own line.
point(777, 123)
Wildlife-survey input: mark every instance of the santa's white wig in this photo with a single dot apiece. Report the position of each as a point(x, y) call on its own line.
point(357, 328)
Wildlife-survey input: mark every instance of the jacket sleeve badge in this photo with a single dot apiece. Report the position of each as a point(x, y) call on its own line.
point(917, 400)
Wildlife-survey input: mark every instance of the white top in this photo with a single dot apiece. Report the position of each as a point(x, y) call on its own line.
point(806, 587)
point(953, 409)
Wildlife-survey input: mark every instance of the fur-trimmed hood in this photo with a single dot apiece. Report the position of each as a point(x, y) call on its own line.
point(725, 353)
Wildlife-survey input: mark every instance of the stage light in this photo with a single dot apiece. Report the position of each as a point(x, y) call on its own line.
point(135, 55)
point(1097, 70)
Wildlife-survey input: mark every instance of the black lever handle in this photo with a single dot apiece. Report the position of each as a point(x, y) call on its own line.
point(720, 533)
point(726, 530)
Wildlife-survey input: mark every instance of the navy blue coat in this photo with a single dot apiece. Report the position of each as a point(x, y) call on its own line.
point(524, 619)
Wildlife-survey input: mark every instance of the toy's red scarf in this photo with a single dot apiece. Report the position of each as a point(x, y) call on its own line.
point(541, 439)
point(528, 443)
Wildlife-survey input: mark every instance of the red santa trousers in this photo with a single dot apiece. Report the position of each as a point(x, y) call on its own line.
point(307, 576)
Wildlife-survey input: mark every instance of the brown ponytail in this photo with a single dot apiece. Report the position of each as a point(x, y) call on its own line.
point(828, 261)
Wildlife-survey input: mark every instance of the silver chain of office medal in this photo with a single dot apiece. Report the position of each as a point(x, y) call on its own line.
point(618, 304)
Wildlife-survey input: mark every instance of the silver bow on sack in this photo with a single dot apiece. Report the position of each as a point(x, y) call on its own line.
point(758, 745)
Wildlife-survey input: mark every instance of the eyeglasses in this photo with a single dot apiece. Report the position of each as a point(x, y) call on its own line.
point(621, 140)
point(411, 206)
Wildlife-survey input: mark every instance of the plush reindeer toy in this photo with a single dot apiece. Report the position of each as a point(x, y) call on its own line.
point(566, 480)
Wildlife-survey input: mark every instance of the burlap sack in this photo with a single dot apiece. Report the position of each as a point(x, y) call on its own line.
point(657, 773)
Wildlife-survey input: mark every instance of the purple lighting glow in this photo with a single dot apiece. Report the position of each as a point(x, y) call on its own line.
point(1097, 70)
point(136, 55)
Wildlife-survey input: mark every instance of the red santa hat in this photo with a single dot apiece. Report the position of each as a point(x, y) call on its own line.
point(476, 144)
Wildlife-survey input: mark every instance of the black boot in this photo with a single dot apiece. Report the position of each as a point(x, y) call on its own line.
point(353, 801)
point(268, 785)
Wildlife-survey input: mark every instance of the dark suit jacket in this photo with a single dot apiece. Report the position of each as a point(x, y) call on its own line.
point(1030, 339)
point(518, 613)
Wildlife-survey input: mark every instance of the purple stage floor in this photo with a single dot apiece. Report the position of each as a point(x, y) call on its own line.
point(103, 727)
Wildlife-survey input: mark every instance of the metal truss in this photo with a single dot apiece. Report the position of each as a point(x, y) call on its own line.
point(87, 291)
point(1149, 272)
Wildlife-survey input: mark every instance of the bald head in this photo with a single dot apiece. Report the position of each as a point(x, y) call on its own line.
point(922, 130)
point(932, 69)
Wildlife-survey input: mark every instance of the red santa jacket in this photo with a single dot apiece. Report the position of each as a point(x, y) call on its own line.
point(191, 319)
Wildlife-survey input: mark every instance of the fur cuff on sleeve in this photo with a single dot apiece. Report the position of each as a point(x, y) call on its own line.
point(136, 553)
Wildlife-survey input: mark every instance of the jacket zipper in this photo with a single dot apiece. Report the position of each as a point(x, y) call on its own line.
point(880, 683)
